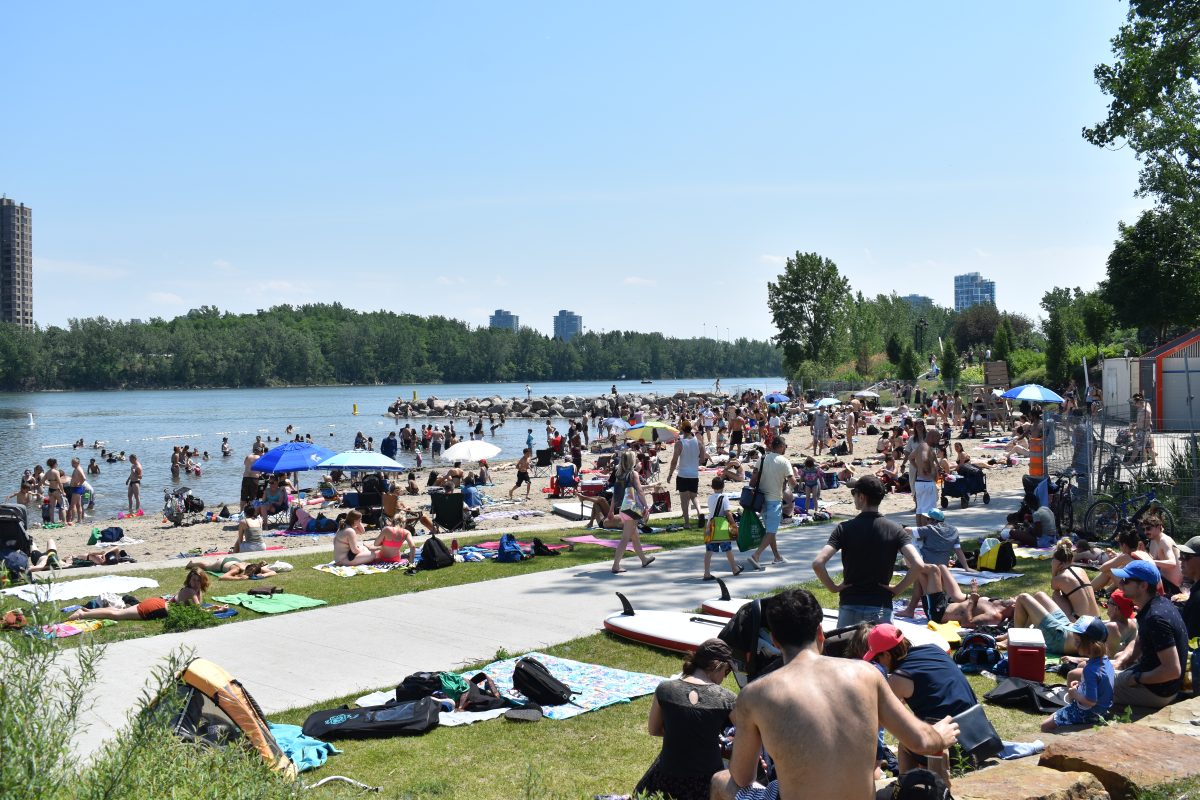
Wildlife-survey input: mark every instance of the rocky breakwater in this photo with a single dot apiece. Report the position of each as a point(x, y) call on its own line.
point(568, 406)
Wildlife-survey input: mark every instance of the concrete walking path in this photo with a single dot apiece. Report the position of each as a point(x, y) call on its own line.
point(298, 659)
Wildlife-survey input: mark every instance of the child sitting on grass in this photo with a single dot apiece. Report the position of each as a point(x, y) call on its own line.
point(1092, 695)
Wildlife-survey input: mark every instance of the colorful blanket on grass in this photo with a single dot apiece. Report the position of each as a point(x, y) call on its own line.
point(360, 569)
point(965, 578)
point(61, 630)
point(597, 686)
point(274, 604)
point(612, 544)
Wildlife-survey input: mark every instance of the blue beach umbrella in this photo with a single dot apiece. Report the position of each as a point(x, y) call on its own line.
point(1032, 392)
point(292, 457)
point(366, 460)
point(827, 401)
point(616, 422)
point(776, 397)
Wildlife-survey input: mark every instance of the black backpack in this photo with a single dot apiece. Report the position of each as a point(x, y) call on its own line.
point(435, 554)
point(532, 679)
point(410, 718)
point(920, 784)
point(977, 652)
point(540, 548)
point(418, 685)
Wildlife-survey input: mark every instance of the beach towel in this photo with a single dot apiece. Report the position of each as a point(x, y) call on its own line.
point(1033, 552)
point(61, 630)
point(123, 541)
point(87, 587)
point(360, 569)
point(965, 578)
point(918, 614)
point(275, 604)
point(299, 532)
point(231, 553)
point(304, 751)
point(523, 512)
point(610, 543)
point(525, 546)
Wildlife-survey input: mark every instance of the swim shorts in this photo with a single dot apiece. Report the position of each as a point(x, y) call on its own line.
point(719, 547)
point(687, 484)
point(1054, 627)
point(935, 606)
point(926, 495)
point(152, 608)
point(772, 515)
point(1074, 715)
point(522, 477)
point(249, 489)
point(735, 438)
point(756, 791)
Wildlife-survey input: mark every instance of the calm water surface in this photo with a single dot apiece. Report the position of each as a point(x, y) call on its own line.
point(150, 423)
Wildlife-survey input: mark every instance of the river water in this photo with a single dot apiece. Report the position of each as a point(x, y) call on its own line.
point(149, 423)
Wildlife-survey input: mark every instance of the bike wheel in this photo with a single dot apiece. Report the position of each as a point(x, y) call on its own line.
point(1064, 516)
point(1101, 519)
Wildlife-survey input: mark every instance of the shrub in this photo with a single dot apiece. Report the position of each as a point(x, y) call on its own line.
point(1021, 361)
point(185, 617)
point(1035, 375)
point(971, 375)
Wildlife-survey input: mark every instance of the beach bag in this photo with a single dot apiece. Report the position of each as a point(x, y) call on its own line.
point(1028, 695)
point(977, 653)
point(872, 430)
point(434, 554)
point(509, 551)
point(750, 531)
point(409, 718)
point(532, 679)
point(997, 557)
point(631, 504)
point(418, 685)
point(113, 534)
point(717, 529)
point(325, 525)
point(752, 499)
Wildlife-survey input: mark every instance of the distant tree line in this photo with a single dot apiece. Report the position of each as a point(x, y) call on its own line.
point(330, 344)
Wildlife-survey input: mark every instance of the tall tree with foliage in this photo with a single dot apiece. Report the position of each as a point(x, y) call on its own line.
point(1154, 274)
point(909, 367)
point(808, 306)
point(1002, 345)
point(1097, 316)
point(1154, 84)
point(1057, 368)
point(893, 349)
point(951, 369)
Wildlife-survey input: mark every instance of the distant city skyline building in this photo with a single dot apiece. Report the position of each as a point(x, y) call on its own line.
point(917, 300)
point(567, 325)
point(504, 319)
point(16, 263)
point(972, 289)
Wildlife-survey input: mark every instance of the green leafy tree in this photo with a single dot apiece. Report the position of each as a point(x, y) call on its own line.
point(1153, 276)
point(893, 348)
point(909, 366)
point(808, 306)
point(1097, 316)
point(1154, 84)
point(951, 369)
point(1057, 367)
point(976, 326)
point(1002, 345)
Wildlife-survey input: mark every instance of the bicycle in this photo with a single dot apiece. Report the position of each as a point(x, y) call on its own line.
point(1062, 501)
point(1106, 517)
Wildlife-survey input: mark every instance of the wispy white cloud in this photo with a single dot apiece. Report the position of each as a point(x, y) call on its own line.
point(77, 269)
point(634, 280)
point(446, 280)
point(223, 265)
point(767, 258)
point(979, 251)
point(165, 298)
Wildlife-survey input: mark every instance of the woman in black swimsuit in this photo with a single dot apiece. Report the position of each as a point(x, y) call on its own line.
point(1073, 591)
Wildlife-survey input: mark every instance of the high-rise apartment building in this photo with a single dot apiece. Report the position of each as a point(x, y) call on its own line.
point(567, 325)
point(972, 289)
point(16, 263)
point(917, 300)
point(504, 319)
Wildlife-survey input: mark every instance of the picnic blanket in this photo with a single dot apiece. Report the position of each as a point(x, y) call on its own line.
point(597, 686)
point(275, 604)
point(88, 587)
point(527, 546)
point(1032, 552)
point(61, 630)
point(610, 543)
point(965, 578)
point(360, 569)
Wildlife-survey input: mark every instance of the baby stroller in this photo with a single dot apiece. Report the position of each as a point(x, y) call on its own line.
point(15, 544)
point(181, 507)
point(971, 481)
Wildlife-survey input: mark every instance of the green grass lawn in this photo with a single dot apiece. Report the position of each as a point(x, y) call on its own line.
point(305, 580)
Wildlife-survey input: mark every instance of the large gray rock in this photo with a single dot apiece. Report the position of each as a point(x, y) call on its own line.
point(1126, 758)
point(1025, 780)
point(538, 404)
point(1182, 718)
point(557, 409)
point(437, 406)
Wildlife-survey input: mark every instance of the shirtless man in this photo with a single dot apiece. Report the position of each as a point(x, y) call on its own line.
point(249, 480)
point(737, 424)
point(456, 475)
point(924, 460)
point(799, 714)
point(820, 430)
point(945, 601)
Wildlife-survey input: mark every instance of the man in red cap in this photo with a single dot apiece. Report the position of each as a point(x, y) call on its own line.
point(801, 714)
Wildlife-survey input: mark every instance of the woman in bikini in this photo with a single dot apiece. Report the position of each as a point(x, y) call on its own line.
point(134, 482)
point(231, 568)
point(348, 550)
point(391, 542)
point(1072, 591)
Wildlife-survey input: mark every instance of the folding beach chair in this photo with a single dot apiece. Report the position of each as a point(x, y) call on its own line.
point(565, 482)
point(545, 460)
point(448, 510)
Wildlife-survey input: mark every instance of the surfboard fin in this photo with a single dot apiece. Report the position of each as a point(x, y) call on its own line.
point(626, 606)
point(724, 590)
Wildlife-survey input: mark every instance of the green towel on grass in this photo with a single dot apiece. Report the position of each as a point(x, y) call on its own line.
point(274, 604)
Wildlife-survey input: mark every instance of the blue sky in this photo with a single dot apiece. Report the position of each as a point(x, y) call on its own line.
point(647, 165)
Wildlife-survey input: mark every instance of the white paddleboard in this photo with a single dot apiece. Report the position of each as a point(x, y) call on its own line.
point(573, 509)
point(671, 630)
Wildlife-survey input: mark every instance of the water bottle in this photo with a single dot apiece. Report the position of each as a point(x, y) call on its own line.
point(454, 547)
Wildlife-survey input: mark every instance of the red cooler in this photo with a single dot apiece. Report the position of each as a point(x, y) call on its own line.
point(1027, 654)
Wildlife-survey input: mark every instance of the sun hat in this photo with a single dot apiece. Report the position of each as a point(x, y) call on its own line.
point(1090, 627)
point(1192, 547)
point(881, 639)
point(937, 514)
point(1139, 571)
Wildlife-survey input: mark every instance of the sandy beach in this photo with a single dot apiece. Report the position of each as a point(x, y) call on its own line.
point(161, 540)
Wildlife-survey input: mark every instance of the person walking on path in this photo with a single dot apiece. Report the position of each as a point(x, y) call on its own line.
point(630, 500)
point(689, 456)
point(770, 476)
point(868, 544)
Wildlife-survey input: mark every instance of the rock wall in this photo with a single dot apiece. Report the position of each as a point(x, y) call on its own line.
point(568, 406)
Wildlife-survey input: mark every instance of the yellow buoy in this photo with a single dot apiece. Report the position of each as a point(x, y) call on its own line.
point(356, 409)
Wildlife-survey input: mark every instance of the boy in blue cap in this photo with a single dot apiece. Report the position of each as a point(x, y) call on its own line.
point(1151, 671)
point(1092, 695)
